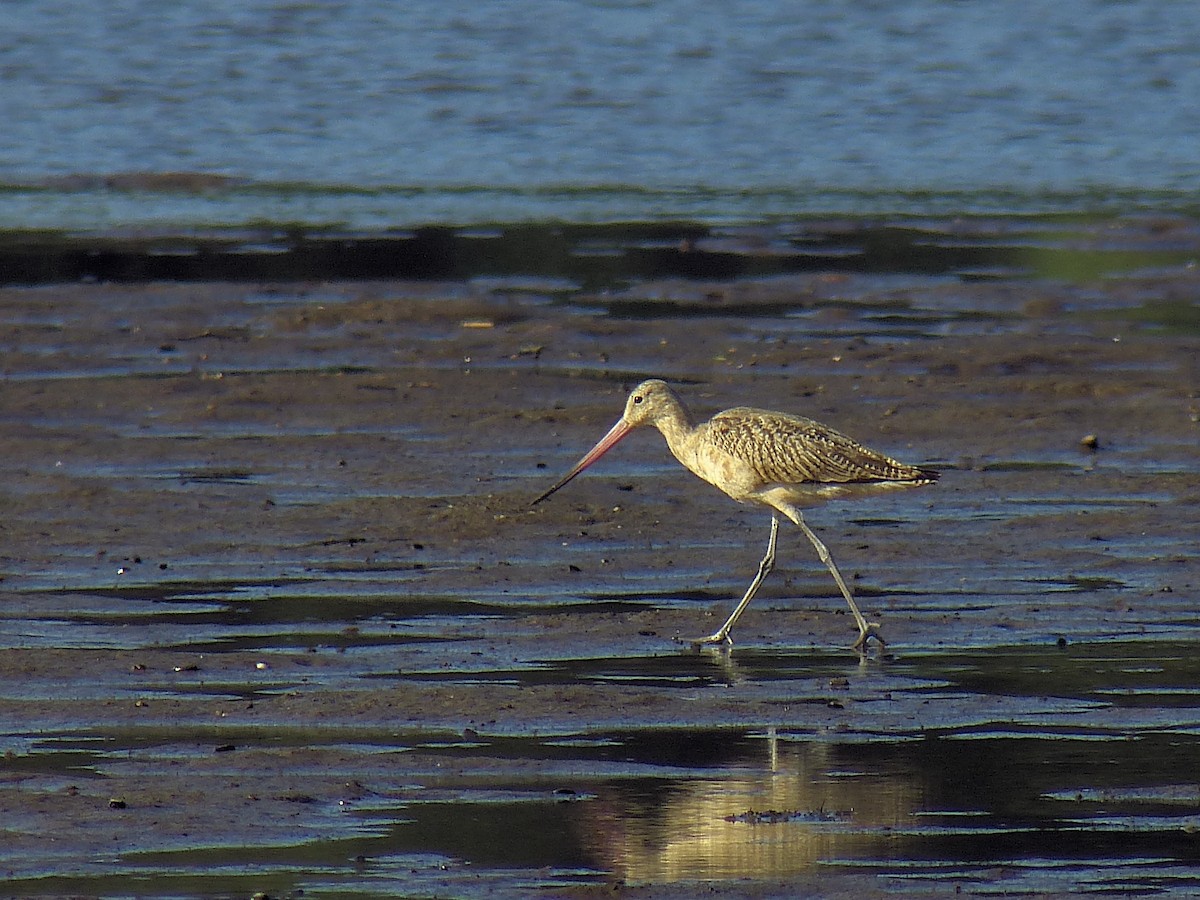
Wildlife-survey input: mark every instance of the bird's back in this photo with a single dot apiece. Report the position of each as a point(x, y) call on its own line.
point(752, 450)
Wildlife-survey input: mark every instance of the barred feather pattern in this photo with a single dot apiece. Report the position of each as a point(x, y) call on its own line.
point(787, 449)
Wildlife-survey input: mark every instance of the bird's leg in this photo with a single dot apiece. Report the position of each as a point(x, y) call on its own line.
point(866, 630)
point(721, 635)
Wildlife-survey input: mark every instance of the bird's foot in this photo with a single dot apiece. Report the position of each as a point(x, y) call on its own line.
point(868, 630)
point(719, 638)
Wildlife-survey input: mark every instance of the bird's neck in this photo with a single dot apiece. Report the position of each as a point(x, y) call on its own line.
point(676, 425)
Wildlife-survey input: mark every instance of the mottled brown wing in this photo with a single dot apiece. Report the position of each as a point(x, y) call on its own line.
point(786, 449)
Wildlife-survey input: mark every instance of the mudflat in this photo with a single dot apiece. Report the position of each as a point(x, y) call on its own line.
point(277, 615)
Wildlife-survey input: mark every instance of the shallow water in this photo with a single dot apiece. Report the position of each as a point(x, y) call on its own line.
point(276, 615)
point(1021, 769)
point(378, 116)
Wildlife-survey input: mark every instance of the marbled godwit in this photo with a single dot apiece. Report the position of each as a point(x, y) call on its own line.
point(770, 459)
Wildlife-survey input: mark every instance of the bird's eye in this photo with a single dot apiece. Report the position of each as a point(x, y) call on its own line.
point(638, 398)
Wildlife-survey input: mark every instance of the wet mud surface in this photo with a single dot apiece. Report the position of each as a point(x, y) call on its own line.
point(277, 616)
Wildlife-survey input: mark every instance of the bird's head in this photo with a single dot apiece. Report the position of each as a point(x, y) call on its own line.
point(649, 401)
point(652, 402)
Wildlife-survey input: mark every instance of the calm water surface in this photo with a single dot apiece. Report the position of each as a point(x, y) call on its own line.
point(373, 115)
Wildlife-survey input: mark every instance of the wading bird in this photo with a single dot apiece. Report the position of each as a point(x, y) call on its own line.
point(769, 459)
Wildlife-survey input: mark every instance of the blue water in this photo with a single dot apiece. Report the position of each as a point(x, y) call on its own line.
point(373, 115)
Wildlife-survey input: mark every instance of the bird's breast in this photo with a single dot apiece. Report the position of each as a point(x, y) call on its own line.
point(728, 472)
